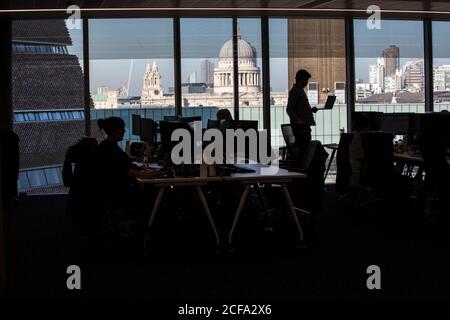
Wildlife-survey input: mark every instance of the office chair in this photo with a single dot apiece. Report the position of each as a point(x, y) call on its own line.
point(343, 166)
point(289, 140)
point(377, 168)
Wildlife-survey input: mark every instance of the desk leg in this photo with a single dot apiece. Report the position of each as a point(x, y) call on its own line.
point(208, 212)
point(292, 210)
point(156, 206)
point(333, 153)
point(238, 212)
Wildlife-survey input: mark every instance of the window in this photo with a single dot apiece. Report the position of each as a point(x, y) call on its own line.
point(53, 176)
point(250, 70)
point(207, 66)
point(389, 66)
point(131, 59)
point(37, 178)
point(441, 66)
point(317, 45)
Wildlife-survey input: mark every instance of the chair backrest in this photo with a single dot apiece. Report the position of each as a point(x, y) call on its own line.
point(288, 134)
point(83, 156)
point(378, 149)
point(343, 165)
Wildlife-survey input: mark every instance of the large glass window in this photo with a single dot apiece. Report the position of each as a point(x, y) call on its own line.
point(206, 67)
point(317, 45)
point(441, 66)
point(131, 69)
point(250, 70)
point(389, 66)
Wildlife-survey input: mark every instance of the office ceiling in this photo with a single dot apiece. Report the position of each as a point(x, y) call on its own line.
point(401, 8)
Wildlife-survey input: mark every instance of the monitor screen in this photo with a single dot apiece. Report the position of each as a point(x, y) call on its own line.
point(148, 130)
point(397, 123)
point(136, 124)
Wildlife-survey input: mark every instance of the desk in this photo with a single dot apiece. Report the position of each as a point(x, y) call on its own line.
point(410, 161)
point(267, 175)
point(196, 182)
point(333, 147)
point(262, 174)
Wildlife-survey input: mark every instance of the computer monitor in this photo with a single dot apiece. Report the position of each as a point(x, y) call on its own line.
point(244, 125)
point(190, 119)
point(166, 129)
point(212, 124)
point(148, 131)
point(374, 118)
point(239, 124)
point(396, 123)
point(136, 124)
point(170, 118)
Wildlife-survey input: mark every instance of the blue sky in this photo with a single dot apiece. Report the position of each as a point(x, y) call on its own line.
point(115, 42)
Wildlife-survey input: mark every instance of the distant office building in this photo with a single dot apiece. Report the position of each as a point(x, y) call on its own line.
point(105, 98)
point(441, 77)
point(193, 88)
point(391, 57)
point(206, 72)
point(339, 91)
point(373, 74)
point(192, 78)
point(313, 92)
point(363, 90)
point(414, 76)
point(317, 45)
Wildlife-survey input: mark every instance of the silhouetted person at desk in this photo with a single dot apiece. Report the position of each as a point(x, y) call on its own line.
point(114, 167)
point(300, 113)
point(223, 115)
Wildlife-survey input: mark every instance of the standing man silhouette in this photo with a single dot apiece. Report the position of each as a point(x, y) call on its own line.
point(300, 113)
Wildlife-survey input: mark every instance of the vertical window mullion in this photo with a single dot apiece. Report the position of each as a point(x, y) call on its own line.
point(428, 63)
point(266, 77)
point(87, 95)
point(177, 65)
point(235, 70)
point(350, 70)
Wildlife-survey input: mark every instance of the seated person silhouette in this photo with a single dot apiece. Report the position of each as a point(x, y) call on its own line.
point(223, 115)
point(115, 176)
point(356, 150)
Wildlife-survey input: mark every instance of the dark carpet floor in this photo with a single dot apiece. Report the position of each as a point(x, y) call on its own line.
point(183, 264)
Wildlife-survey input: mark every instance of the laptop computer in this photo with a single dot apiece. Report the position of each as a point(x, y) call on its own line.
point(329, 103)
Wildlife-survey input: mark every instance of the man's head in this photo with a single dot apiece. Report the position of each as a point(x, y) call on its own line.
point(301, 77)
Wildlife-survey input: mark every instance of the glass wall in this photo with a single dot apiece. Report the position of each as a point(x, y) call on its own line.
point(131, 67)
point(441, 66)
point(389, 66)
point(47, 98)
point(206, 65)
point(317, 45)
point(132, 72)
point(250, 70)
